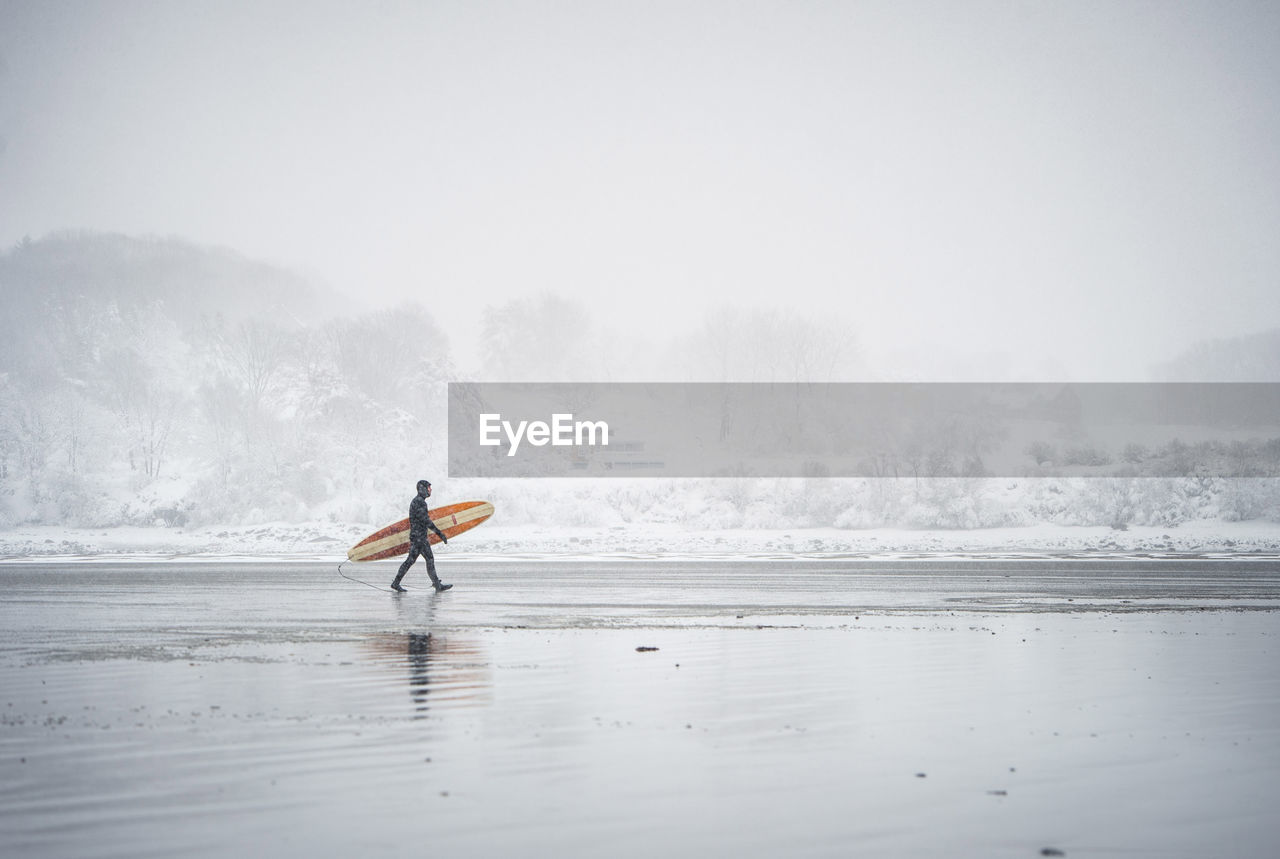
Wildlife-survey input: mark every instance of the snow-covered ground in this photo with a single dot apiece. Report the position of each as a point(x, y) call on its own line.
point(325, 539)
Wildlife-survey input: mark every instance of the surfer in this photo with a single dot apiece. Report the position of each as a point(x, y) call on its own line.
point(420, 528)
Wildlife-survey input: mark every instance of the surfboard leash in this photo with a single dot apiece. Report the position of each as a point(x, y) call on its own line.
point(361, 581)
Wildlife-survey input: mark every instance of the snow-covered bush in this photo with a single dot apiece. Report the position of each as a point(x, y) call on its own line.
point(1250, 498)
point(952, 502)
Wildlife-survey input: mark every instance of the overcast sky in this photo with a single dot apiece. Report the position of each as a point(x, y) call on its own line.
point(1071, 185)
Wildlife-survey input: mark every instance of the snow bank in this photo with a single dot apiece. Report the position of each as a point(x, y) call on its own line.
point(323, 540)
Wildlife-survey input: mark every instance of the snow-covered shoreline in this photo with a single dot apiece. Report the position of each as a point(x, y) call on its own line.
point(323, 540)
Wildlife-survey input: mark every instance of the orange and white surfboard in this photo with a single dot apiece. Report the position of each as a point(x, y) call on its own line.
point(393, 540)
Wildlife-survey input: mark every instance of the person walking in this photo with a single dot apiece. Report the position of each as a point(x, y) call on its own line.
point(420, 528)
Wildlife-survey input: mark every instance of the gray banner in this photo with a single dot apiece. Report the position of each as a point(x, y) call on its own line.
point(863, 430)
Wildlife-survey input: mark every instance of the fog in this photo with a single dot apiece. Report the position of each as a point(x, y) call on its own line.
point(1035, 191)
point(244, 247)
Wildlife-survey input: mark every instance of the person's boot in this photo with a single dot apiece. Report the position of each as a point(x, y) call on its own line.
point(395, 586)
point(435, 580)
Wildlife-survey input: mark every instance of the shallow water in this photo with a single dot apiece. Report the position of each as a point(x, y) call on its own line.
point(800, 707)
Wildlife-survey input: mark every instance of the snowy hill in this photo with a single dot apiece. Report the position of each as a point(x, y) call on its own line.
point(151, 382)
point(150, 379)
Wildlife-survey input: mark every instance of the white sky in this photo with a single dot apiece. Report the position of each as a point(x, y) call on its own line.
point(1085, 186)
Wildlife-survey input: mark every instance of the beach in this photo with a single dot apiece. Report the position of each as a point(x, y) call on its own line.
point(1003, 706)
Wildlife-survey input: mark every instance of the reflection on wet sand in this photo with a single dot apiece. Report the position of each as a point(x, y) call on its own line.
point(443, 671)
point(169, 709)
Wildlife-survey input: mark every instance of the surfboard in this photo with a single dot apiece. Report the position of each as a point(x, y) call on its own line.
point(393, 540)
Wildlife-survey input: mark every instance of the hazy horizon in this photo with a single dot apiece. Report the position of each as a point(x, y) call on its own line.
point(1077, 189)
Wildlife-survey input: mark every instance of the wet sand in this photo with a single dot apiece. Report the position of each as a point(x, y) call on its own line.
point(916, 707)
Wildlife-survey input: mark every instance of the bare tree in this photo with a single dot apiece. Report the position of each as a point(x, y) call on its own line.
point(737, 345)
point(251, 355)
point(541, 339)
point(147, 407)
point(73, 427)
point(26, 431)
point(379, 353)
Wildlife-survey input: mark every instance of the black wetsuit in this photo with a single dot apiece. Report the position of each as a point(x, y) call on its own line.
point(420, 528)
